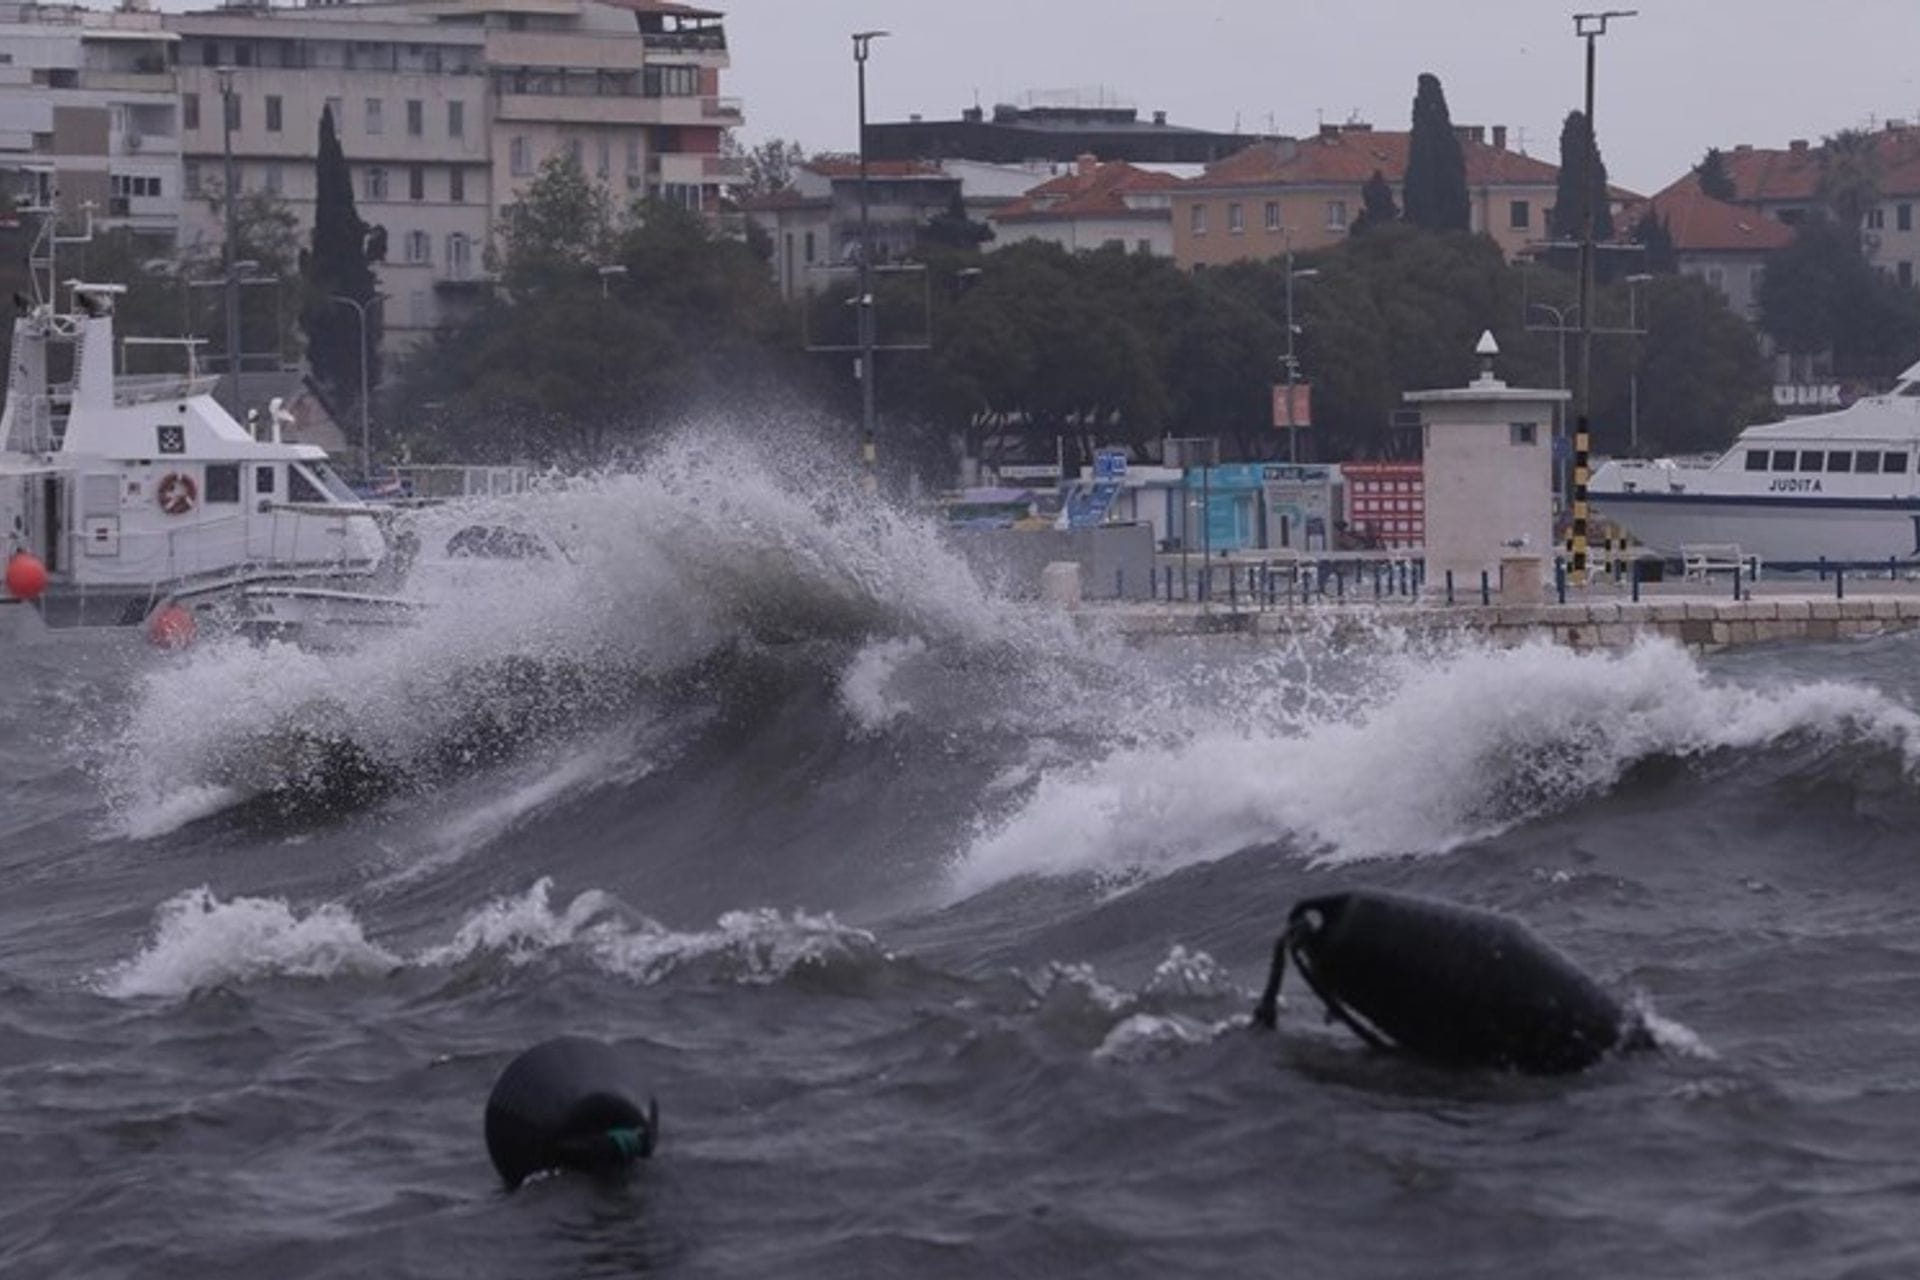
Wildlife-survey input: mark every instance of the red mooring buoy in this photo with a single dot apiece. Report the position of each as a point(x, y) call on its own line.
point(171, 626)
point(26, 576)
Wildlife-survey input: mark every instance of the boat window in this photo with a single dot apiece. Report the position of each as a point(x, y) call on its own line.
point(1894, 462)
point(1756, 459)
point(263, 479)
point(1783, 459)
point(1811, 459)
point(1866, 461)
point(1839, 460)
point(301, 488)
point(223, 482)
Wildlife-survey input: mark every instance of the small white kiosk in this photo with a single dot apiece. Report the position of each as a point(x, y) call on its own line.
point(1489, 482)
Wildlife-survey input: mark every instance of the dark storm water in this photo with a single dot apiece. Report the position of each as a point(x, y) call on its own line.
point(934, 928)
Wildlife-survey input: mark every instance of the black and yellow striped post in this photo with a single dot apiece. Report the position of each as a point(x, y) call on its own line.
point(1578, 556)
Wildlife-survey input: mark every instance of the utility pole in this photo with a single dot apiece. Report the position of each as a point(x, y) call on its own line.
point(1587, 26)
point(229, 197)
point(366, 434)
point(861, 39)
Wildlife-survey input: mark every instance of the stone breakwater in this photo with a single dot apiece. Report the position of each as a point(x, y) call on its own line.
point(1697, 621)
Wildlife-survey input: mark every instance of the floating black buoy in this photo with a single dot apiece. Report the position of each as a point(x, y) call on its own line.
point(1453, 984)
point(563, 1104)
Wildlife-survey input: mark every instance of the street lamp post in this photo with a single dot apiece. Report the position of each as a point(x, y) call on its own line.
point(606, 272)
point(1588, 27)
point(861, 39)
point(1292, 363)
point(366, 436)
point(1559, 315)
point(1633, 378)
point(229, 197)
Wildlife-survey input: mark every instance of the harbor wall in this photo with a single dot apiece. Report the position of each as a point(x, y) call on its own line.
point(1116, 560)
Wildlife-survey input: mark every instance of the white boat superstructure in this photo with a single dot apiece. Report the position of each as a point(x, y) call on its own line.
point(134, 490)
point(1841, 488)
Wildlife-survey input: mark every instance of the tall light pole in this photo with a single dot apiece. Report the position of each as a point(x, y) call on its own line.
point(608, 272)
point(1293, 364)
point(366, 436)
point(1559, 315)
point(1587, 26)
point(1633, 379)
point(229, 197)
point(861, 39)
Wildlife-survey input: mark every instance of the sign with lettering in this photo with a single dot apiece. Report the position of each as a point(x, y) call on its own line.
point(1301, 414)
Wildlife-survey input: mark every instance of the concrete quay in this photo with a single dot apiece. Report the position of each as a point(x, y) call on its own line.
point(1701, 617)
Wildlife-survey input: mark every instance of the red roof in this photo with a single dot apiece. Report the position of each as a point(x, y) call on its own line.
point(1793, 174)
point(849, 167)
point(1348, 157)
point(1090, 190)
point(1701, 224)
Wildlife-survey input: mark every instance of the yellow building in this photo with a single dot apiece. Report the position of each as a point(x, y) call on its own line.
point(1308, 191)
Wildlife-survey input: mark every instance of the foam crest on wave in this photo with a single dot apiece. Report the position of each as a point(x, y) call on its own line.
point(200, 942)
point(1433, 752)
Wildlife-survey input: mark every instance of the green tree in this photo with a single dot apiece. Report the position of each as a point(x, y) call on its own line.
point(1714, 178)
point(1849, 177)
point(1701, 375)
point(1435, 190)
point(560, 230)
point(339, 264)
point(1580, 203)
point(769, 166)
point(1650, 233)
point(1377, 206)
point(1821, 294)
point(267, 234)
point(953, 229)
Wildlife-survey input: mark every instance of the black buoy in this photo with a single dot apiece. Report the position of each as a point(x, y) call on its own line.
point(1452, 984)
point(564, 1104)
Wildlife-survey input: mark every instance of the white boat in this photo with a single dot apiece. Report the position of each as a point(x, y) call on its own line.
point(137, 491)
point(1836, 488)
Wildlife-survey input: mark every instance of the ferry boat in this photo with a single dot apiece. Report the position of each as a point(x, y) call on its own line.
point(1840, 489)
point(137, 492)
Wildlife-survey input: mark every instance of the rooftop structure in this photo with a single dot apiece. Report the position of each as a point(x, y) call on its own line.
point(1012, 134)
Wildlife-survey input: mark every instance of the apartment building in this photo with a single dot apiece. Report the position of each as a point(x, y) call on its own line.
point(445, 110)
point(88, 115)
point(815, 223)
point(1727, 245)
point(1308, 191)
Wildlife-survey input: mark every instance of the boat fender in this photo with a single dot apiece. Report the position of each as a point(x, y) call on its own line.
point(177, 493)
point(565, 1104)
point(1451, 984)
point(26, 576)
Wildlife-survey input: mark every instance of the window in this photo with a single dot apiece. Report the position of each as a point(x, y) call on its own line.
point(1273, 215)
point(1336, 215)
point(1236, 220)
point(223, 482)
point(417, 182)
point(1517, 433)
point(1812, 459)
point(456, 184)
point(633, 152)
point(272, 181)
point(210, 54)
point(273, 113)
point(376, 121)
point(1894, 463)
point(670, 82)
point(1783, 459)
point(1903, 217)
point(263, 479)
point(375, 184)
point(1143, 246)
point(459, 256)
point(1197, 219)
point(456, 119)
point(416, 117)
point(1866, 462)
point(1839, 460)
point(302, 488)
point(419, 247)
point(519, 159)
point(809, 247)
point(573, 153)
point(1756, 459)
point(189, 111)
point(1519, 214)
point(1876, 218)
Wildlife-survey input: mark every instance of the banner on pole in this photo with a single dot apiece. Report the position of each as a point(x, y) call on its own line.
point(1302, 405)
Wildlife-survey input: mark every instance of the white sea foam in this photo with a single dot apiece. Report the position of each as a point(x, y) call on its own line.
point(864, 685)
point(1436, 752)
point(200, 941)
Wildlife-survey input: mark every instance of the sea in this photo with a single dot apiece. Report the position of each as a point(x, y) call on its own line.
point(932, 919)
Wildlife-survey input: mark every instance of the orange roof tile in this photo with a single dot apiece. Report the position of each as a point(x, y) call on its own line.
point(1774, 175)
point(1348, 157)
point(1098, 190)
point(1701, 224)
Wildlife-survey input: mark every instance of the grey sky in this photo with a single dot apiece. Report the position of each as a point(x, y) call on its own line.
point(1682, 76)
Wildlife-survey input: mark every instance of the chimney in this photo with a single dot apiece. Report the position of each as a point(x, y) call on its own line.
point(1160, 117)
point(1500, 137)
point(913, 117)
point(1742, 147)
point(1798, 144)
point(1329, 130)
point(973, 115)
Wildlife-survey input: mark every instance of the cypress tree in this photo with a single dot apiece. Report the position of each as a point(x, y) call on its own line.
point(1715, 181)
point(1379, 209)
point(1578, 187)
point(1436, 184)
point(339, 263)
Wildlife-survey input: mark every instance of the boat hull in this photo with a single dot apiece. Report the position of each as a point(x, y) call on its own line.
point(1787, 532)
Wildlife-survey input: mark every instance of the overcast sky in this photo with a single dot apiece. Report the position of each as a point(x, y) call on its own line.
point(1682, 76)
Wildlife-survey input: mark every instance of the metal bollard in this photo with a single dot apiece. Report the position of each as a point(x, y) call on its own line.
point(1823, 568)
point(1376, 582)
point(1893, 570)
point(1486, 590)
point(1339, 584)
point(1560, 581)
point(1449, 586)
point(1636, 582)
point(1736, 582)
point(1840, 582)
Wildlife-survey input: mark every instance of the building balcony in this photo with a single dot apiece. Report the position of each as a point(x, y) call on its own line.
point(564, 50)
point(127, 81)
point(555, 108)
point(724, 112)
point(708, 40)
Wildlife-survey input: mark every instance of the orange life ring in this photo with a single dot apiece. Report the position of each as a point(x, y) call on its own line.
point(177, 493)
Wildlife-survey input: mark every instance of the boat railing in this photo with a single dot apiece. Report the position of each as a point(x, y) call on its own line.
point(145, 388)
